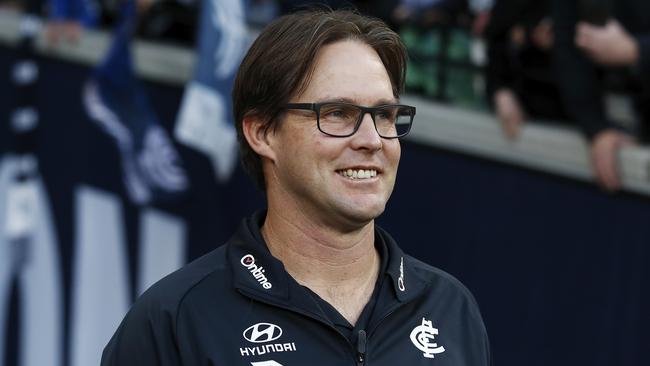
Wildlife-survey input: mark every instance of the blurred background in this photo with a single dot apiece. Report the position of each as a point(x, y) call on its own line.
point(527, 173)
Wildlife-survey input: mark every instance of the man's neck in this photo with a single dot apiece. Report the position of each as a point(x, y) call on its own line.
point(341, 267)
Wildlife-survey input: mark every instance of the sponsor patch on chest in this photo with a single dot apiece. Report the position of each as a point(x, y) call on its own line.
point(264, 333)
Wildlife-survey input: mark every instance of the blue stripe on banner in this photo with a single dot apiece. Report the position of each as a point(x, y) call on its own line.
point(223, 39)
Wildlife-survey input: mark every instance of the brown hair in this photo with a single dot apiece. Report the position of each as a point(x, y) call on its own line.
point(279, 64)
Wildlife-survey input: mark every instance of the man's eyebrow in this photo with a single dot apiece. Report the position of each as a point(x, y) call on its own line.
point(352, 101)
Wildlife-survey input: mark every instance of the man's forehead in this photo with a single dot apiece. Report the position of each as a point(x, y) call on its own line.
point(349, 71)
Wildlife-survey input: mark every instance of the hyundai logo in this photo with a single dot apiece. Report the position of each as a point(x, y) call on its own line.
point(262, 332)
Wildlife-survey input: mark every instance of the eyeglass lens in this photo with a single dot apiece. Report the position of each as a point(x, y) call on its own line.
point(341, 119)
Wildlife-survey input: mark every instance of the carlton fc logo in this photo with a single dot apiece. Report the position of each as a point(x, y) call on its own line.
point(423, 336)
point(262, 332)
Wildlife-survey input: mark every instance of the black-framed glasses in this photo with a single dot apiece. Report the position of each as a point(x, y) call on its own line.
point(343, 119)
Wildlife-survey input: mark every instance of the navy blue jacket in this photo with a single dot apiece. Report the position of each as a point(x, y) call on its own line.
point(238, 306)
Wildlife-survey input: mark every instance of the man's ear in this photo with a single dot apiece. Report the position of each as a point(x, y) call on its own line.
point(256, 134)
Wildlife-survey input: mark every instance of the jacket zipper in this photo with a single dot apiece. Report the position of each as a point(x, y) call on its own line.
point(361, 348)
point(362, 339)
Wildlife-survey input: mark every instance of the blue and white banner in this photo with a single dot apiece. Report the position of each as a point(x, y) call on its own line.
point(30, 262)
point(205, 119)
point(116, 100)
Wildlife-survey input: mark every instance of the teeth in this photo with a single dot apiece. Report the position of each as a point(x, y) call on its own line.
point(358, 174)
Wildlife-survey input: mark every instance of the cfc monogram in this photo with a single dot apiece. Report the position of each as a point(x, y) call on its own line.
point(423, 336)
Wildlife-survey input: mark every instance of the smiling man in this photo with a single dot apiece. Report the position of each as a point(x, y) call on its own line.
point(312, 280)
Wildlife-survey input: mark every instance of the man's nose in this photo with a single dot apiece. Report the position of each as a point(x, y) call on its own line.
point(367, 136)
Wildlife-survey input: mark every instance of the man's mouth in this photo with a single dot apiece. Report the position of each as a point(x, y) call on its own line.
point(357, 173)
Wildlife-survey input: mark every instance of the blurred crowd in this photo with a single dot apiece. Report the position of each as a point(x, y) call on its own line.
point(561, 61)
point(583, 61)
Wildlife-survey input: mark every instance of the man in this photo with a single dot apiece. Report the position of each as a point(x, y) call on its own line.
point(312, 281)
point(596, 36)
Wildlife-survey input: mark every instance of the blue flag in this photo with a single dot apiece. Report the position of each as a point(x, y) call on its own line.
point(115, 99)
point(205, 119)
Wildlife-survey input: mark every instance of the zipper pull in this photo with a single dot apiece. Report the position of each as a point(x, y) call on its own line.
point(361, 348)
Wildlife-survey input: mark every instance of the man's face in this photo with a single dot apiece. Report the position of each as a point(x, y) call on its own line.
point(308, 171)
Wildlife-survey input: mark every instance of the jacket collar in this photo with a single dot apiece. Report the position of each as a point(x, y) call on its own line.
point(408, 283)
point(257, 273)
point(255, 269)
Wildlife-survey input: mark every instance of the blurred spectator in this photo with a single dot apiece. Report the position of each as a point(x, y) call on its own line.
point(520, 78)
point(481, 9)
point(169, 20)
point(288, 6)
point(426, 13)
point(382, 9)
point(67, 17)
point(435, 34)
point(596, 38)
point(9, 4)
